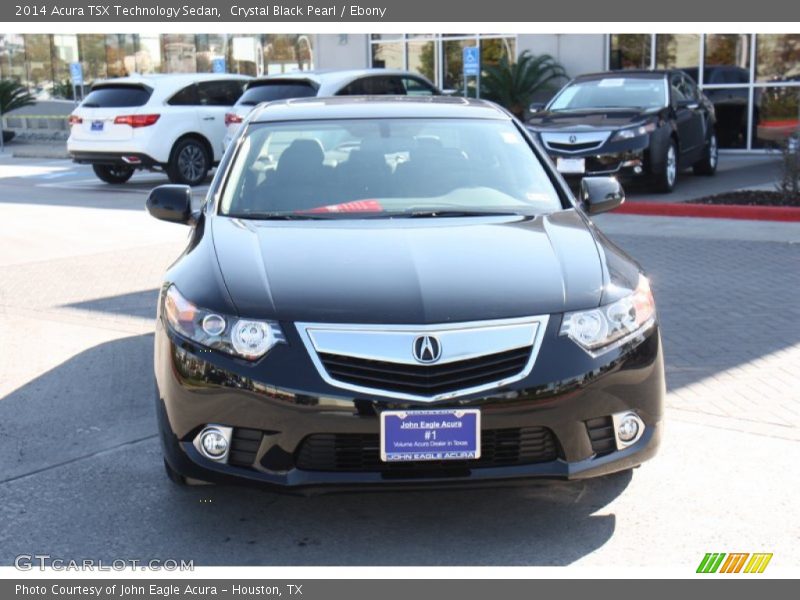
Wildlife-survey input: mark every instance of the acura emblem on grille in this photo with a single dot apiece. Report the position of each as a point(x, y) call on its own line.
point(427, 349)
point(573, 139)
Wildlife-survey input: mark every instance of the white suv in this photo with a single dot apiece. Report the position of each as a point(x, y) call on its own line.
point(174, 123)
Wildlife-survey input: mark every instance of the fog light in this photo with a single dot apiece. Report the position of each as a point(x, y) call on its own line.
point(213, 442)
point(628, 429)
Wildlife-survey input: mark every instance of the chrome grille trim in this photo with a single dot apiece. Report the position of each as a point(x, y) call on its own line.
point(580, 139)
point(393, 344)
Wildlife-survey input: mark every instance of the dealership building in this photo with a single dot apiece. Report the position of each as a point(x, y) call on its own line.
point(752, 79)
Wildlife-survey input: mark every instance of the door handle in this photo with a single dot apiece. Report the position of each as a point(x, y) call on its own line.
point(208, 118)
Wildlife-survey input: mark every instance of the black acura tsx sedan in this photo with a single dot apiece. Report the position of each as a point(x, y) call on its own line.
point(383, 291)
point(635, 124)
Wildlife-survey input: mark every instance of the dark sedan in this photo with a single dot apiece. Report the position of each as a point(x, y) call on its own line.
point(398, 291)
point(643, 124)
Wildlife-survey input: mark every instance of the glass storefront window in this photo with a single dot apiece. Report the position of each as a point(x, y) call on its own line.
point(65, 51)
point(12, 58)
point(38, 60)
point(209, 48)
point(148, 55)
point(680, 51)
point(388, 55)
point(777, 57)
point(776, 115)
point(727, 59)
point(246, 55)
point(120, 55)
point(731, 106)
point(630, 51)
point(422, 59)
point(493, 49)
point(284, 53)
point(179, 52)
point(92, 49)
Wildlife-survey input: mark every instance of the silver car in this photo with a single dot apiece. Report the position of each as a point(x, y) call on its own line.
point(302, 84)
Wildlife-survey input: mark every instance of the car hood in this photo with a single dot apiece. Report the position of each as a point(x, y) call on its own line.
point(409, 271)
point(585, 120)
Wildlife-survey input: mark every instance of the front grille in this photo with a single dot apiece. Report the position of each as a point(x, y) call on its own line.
point(601, 434)
point(426, 380)
point(579, 147)
point(357, 452)
point(244, 446)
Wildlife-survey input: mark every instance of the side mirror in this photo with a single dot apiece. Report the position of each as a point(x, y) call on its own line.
point(688, 103)
point(535, 107)
point(449, 92)
point(171, 203)
point(601, 194)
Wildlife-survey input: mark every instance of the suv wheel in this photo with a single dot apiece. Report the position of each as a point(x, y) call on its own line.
point(664, 180)
point(113, 173)
point(708, 164)
point(189, 163)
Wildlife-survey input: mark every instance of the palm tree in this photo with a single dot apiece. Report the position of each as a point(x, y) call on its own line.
point(513, 85)
point(14, 96)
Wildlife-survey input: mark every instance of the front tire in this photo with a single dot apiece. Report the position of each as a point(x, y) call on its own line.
point(708, 164)
point(114, 174)
point(664, 180)
point(189, 162)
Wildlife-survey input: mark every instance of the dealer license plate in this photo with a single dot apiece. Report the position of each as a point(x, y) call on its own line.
point(418, 435)
point(571, 165)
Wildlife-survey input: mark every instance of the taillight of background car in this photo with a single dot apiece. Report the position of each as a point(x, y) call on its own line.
point(136, 120)
point(232, 119)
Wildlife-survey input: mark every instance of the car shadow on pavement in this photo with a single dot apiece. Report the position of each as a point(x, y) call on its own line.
point(134, 304)
point(82, 476)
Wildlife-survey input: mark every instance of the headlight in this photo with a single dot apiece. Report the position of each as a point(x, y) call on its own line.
point(245, 338)
point(632, 132)
point(601, 329)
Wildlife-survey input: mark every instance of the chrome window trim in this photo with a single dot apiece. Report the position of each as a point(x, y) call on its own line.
point(540, 323)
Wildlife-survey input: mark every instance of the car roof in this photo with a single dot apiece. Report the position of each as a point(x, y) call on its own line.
point(628, 73)
point(377, 107)
point(170, 81)
point(335, 78)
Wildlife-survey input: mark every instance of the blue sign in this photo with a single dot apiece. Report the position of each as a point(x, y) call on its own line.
point(472, 61)
point(414, 435)
point(76, 73)
point(218, 65)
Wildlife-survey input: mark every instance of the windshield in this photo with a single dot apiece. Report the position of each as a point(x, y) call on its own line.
point(386, 168)
point(267, 92)
point(612, 92)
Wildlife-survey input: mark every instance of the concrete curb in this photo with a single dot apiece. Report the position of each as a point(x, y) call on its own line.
point(712, 211)
point(38, 152)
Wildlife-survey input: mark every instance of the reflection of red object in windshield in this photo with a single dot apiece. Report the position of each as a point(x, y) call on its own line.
point(346, 207)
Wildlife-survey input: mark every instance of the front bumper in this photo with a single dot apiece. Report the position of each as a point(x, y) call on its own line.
point(625, 158)
point(566, 397)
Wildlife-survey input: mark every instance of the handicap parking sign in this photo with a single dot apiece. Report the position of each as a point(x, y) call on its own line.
point(472, 61)
point(218, 65)
point(76, 73)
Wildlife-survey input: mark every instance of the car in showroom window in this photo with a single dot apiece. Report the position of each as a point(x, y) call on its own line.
point(381, 291)
point(170, 123)
point(635, 124)
point(346, 82)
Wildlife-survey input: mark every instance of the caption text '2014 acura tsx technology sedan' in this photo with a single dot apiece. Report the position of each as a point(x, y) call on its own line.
point(400, 291)
point(636, 124)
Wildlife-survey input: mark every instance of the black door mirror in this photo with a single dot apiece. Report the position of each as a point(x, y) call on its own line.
point(535, 107)
point(601, 194)
point(171, 203)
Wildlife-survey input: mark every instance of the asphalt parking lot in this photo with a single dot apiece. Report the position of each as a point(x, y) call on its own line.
point(80, 467)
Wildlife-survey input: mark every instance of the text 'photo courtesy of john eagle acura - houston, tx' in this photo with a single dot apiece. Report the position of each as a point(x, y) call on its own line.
point(400, 291)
